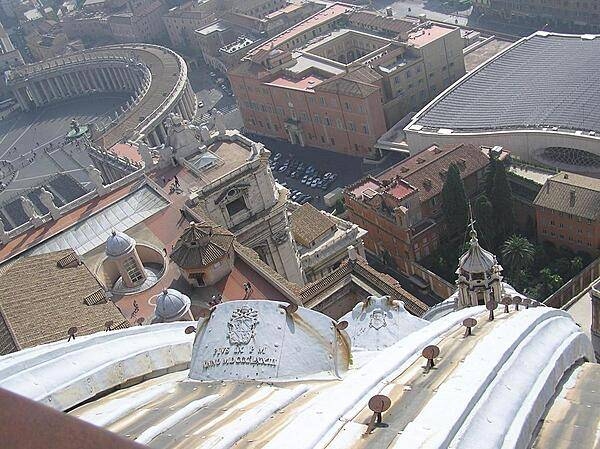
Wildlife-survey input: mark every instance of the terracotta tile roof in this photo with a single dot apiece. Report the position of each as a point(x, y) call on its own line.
point(40, 301)
point(427, 170)
point(356, 83)
point(307, 224)
point(572, 194)
point(382, 283)
point(370, 20)
point(201, 244)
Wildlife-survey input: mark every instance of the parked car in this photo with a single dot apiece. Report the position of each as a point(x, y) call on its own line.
point(276, 156)
point(315, 182)
point(282, 168)
point(305, 199)
point(200, 104)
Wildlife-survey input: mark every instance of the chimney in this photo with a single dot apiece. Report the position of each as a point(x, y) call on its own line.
point(572, 198)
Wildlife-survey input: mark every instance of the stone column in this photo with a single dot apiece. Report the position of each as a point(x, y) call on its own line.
point(59, 90)
point(34, 95)
point(53, 89)
point(41, 91)
point(162, 132)
point(21, 100)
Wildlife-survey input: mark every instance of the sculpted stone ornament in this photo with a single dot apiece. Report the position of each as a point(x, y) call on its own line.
point(242, 325)
point(282, 237)
point(220, 123)
point(47, 199)
point(377, 320)
point(96, 178)
point(4, 237)
point(30, 211)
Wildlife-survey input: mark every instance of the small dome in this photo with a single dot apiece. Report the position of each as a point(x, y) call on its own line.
point(476, 259)
point(171, 305)
point(118, 244)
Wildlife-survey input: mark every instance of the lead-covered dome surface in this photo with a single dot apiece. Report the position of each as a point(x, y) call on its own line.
point(379, 322)
point(118, 243)
point(171, 305)
point(267, 340)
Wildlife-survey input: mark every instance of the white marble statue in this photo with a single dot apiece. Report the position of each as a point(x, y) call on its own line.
point(4, 237)
point(30, 211)
point(47, 199)
point(181, 136)
point(220, 122)
point(96, 178)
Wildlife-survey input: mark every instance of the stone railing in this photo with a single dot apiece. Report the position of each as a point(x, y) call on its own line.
point(574, 286)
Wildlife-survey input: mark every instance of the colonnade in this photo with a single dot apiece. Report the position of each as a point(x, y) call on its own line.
point(142, 71)
point(82, 80)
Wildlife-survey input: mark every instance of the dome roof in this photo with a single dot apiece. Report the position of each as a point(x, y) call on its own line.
point(171, 305)
point(118, 244)
point(476, 259)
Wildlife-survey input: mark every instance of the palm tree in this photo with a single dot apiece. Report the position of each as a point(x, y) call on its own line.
point(517, 254)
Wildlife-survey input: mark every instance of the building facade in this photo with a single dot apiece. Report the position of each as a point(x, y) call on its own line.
point(567, 211)
point(581, 16)
point(401, 208)
point(340, 78)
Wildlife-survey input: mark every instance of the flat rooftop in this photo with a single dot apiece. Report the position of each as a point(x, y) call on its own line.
point(545, 80)
point(306, 83)
point(424, 36)
point(326, 15)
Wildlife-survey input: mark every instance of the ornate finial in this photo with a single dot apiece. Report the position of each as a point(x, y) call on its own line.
point(472, 231)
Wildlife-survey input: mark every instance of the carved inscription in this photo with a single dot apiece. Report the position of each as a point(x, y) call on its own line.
point(243, 349)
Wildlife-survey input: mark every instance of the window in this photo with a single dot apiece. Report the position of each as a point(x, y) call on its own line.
point(332, 141)
point(236, 206)
point(366, 129)
point(351, 126)
point(347, 106)
point(339, 124)
point(327, 121)
point(132, 270)
point(322, 101)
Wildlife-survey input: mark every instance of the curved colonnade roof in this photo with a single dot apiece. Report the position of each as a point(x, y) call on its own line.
point(168, 69)
point(488, 390)
point(544, 80)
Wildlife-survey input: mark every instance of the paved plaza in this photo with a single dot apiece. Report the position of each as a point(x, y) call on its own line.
point(38, 137)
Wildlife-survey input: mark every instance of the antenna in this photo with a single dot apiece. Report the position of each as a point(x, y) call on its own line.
point(190, 330)
point(378, 404)
point(469, 323)
point(71, 333)
point(341, 325)
point(430, 353)
point(491, 305)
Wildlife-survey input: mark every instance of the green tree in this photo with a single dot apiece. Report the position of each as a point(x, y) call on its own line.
point(517, 254)
point(551, 282)
point(490, 174)
point(454, 202)
point(502, 202)
point(486, 224)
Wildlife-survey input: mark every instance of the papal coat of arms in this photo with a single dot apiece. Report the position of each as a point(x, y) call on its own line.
point(377, 320)
point(242, 325)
